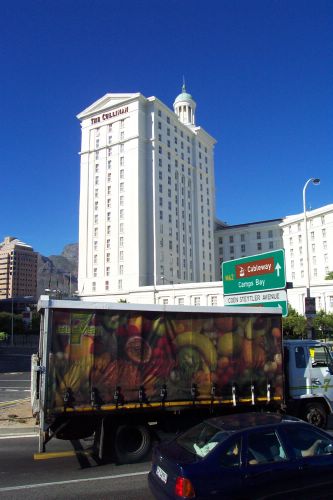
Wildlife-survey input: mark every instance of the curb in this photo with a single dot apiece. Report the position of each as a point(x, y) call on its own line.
point(17, 431)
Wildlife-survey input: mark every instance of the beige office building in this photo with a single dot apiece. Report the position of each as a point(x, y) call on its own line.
point(18, 269)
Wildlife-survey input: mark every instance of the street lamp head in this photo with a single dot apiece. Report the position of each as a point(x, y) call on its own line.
point(315, 181)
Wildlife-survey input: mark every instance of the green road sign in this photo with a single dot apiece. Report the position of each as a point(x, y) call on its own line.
point(255, 273)
point(272, 298)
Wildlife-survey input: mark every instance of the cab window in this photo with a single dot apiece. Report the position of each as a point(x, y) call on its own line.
point(319, 356)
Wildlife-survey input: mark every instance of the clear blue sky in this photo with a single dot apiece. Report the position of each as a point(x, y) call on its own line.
point(259, 70)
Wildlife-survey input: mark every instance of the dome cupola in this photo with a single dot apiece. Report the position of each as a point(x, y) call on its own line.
point(184, 107)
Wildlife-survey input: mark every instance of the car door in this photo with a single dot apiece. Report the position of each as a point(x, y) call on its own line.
point(269, 471)
point(313, 453)
point(222, 474)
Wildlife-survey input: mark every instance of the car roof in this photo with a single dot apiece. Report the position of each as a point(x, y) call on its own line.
point(241, 421)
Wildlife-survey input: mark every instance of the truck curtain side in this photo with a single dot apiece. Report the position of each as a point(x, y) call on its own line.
point(114, 369)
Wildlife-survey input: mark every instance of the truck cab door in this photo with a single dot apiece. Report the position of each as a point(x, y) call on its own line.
point(299, 379)
point(320, 365)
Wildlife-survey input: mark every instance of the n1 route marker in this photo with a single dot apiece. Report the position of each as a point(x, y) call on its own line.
point(261, 272)
point(272, 298)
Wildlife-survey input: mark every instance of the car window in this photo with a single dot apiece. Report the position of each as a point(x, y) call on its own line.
point(231, 456)
point(263, 447)
point(202, 438)
point(307, 442)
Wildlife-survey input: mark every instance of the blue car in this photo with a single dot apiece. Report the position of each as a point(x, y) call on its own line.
point(245, 456)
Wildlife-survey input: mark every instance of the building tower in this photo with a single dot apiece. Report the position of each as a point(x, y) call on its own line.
point(18, 269)
point(147, 195)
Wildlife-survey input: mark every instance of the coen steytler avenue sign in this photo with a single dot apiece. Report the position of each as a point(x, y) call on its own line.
point(255, 273)
point(271, 298)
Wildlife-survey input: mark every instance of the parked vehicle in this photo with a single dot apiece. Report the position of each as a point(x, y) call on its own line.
point(126, 372)
point(247, 456)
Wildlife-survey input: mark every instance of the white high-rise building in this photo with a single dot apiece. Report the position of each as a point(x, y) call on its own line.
point(147, 195)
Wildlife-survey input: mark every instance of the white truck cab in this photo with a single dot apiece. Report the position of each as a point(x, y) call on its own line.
point(309, 379)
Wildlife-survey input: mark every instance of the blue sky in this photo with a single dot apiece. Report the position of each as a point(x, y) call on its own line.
point(260, 72)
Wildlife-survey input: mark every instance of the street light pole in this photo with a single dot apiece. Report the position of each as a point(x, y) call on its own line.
point(314, 181)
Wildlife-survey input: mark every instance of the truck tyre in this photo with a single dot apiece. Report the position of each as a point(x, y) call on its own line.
point(315, 414)
point(131, 443)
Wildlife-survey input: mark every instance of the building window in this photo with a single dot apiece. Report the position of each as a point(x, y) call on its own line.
point(95, 272)
point(271, 245)
point(197, 301)
point(242, 237)
point(121, 255)
point(181, 301)
point(259, 247)
point(93, 286)
point(213, 300)
point(121, 269)
point(243, 248)
point(258, 235)
point(270, 233)
point(106, 285)
point(231, 239)
point(120, 284)
point(121, 241)
point(220, 240)
point(108, 271)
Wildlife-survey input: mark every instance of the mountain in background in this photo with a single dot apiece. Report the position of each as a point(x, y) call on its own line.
point(58, 272)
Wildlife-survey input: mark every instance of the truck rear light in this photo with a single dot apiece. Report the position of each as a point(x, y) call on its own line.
point(184, 488)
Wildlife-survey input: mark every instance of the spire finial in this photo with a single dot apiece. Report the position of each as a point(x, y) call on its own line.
point(183, 86)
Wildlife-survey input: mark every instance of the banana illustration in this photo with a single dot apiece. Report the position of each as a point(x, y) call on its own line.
point(200, 342)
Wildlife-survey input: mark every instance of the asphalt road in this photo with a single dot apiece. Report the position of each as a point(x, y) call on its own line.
point(76, 476)
point(15, 366)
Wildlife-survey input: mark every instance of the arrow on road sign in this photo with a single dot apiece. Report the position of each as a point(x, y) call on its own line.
point(278, 267)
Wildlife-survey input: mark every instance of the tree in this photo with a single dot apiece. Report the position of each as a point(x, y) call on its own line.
point(323, 322)
point(294, 324)
point(329, 276)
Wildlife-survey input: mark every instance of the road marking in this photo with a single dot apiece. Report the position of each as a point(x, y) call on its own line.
point(10, 389)
point(14, 402)
point(60, 454)
point(14, 380)
point(19, 436)
point(71, 481)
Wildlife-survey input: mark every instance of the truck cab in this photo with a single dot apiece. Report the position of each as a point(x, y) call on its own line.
point(309, 379)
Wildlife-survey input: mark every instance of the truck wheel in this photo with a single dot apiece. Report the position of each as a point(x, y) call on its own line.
point(315, 414)
point(131, 443)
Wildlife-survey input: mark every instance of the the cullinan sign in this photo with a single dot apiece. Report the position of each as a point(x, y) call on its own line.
point(110, 114)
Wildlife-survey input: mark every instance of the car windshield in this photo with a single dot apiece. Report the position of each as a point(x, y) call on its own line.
point(202, 438)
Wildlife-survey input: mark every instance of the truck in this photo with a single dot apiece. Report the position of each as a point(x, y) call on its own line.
point(125, 374)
